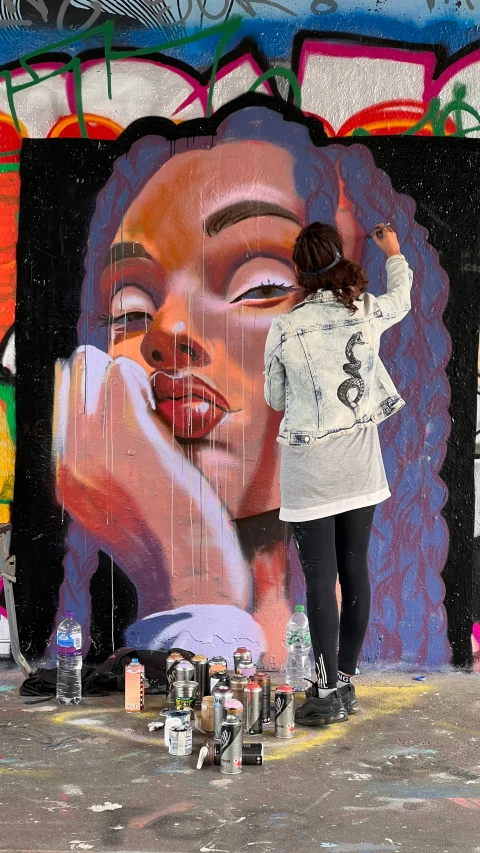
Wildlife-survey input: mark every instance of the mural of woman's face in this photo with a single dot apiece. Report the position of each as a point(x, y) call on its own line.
point(198, 269)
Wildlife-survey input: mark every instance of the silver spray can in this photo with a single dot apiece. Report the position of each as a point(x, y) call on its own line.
point(241, 655)
point(264, 681)
point(184, 671)
point(252, 709)
point(200, 663)
point(172, 661)
point(233, 708)
point(284, 711)
point(231, 746)
point(217, 674)
point(220, 695)
point(238, 684)
point(218, 659)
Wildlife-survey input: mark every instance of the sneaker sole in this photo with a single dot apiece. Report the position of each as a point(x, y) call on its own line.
point(340, 717)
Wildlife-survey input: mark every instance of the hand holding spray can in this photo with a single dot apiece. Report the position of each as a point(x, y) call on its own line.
point(284, 711)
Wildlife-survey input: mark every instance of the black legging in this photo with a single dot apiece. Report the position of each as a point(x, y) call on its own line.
point(327, 546)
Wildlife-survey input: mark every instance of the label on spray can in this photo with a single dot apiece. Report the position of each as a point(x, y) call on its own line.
point(231, 746)
point(284, 711)
point(134, 686)
point(264, 682)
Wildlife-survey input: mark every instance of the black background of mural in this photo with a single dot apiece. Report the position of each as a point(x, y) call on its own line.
point(59, 183)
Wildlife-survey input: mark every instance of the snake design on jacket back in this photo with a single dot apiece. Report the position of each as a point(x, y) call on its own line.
point(352, 390)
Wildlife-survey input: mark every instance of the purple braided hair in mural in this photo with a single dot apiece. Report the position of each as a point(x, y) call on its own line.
point(410, 538)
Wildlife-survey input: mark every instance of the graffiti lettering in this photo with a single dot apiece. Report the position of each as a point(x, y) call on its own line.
point(96, 7)
point(432, 4)
point(164, 13)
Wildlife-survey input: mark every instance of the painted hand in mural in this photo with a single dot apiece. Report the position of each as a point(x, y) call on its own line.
point(120, 474)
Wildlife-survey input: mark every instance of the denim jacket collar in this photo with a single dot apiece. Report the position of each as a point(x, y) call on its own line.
point(319, 296)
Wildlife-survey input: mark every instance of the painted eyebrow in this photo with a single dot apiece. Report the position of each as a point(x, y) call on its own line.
point(122, 251)
point(234, 213)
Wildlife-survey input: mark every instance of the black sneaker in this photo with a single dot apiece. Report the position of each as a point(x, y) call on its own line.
point(321, 712)
point(350, 701)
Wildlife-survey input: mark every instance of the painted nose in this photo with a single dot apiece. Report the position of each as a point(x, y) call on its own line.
point(172, 343)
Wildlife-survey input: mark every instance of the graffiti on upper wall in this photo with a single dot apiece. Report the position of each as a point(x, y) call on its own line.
point(91, 81)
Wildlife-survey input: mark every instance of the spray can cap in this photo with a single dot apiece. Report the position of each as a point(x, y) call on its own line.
point(202, 756)
point(134, 660)
point(299, 608)
point(69, 614)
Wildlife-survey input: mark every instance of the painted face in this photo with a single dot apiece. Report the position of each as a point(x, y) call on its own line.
point(198, 269)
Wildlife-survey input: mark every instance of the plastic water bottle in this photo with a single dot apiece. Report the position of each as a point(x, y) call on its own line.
point(69, 661)
point(298, 670)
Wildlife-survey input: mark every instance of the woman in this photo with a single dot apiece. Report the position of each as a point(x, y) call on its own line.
point(323, 369)
point(165, 458)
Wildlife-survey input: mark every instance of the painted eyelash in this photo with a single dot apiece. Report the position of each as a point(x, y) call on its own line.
point(268, 283)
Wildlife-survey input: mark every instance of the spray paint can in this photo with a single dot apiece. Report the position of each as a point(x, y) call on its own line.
point(231, 746)
point(220, 695)
point(200, 664)
point(184, 671)
point(252, 754)
point(134, 686)
point(234, 708)
point(237, 685)
point(241, 656)
point(284, 711)
point(184, 694)
point(217, 674)
point(249, 671)
point(218, 659)
point(252, 709)
point(263, 680)
point(172, 660)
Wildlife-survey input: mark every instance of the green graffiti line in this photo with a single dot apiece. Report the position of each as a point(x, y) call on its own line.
point(438, 116)
point(289, 75)
point(225, 32)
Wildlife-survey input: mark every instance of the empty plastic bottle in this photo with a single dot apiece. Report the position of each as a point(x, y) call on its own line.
point(298, 670)
point(69, 661)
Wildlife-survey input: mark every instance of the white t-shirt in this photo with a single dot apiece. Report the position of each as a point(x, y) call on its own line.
point(342, 474)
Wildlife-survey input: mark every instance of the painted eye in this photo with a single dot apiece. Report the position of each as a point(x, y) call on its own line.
point(270, 290)
point(132, 310)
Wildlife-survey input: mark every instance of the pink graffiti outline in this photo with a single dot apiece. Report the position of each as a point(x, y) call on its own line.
point(436, 86)
point(245, 59)
point(321, 48)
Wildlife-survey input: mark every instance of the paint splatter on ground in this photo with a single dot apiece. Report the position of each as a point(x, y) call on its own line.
point(402, 776)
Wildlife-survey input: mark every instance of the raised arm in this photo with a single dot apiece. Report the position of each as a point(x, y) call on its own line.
point(395, 303)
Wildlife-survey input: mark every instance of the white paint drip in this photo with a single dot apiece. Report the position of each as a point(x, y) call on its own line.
point(107, 807)
point(72, 790)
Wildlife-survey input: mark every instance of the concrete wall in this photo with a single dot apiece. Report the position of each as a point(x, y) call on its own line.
point(121, 127)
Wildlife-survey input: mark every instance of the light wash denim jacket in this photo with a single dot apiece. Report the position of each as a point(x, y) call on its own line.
point(322, 364)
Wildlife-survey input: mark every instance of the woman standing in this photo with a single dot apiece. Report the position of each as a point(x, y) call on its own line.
point(323, 369)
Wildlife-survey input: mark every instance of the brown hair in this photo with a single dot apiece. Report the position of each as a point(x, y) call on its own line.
point(315, 248)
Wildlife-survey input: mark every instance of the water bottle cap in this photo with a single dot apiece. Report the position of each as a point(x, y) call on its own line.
point(299, 608)
point(134, 660)
point(69, 614)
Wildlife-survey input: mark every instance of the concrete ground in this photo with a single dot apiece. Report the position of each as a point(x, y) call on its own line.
point(402, 776)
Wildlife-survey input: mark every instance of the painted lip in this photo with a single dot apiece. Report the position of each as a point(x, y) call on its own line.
point(191, 407)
